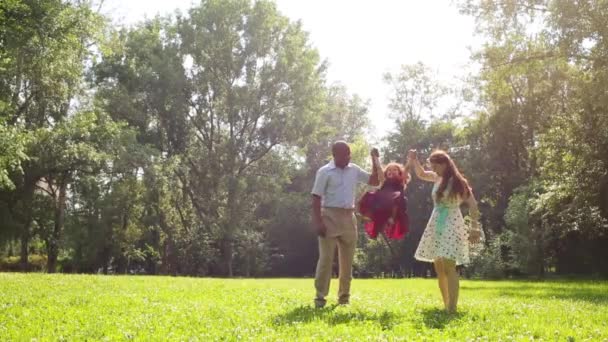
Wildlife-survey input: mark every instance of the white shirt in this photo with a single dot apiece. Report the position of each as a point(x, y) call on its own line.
point(337, 187)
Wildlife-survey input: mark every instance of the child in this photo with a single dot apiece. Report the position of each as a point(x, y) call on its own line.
point(385, 209)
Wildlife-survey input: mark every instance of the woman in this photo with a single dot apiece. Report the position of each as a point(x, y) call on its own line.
point(445, 241)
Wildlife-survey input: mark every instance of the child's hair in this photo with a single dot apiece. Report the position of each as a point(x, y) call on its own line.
point(460, 185)
point(404, 177)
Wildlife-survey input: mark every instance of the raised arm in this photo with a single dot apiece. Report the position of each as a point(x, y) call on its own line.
point(428, 176)
point(377, 176)
point(407, 167)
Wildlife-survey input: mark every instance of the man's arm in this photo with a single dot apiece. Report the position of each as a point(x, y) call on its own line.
point(377, 176)
point(316, 215)
point(318, 190)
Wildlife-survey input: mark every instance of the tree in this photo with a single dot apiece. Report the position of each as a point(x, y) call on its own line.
point(544, 66)
point(254, 85)
point(44, 45)
point(81, 145)
point(222, 88)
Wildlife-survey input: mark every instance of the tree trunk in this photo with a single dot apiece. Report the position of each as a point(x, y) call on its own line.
point(171, 253)
point(26, 219)
point(169, 257)
point(106, 254)
point(25, 239)
point(52, 256)
point(231, 224)
point(227, 255)
point(248, 265)
point(541, 259)
point(122, 262)
point(603, 194)
point(53, 242)
point(106, 260)
point(151, 267)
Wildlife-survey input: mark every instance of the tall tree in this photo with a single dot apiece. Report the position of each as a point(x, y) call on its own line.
point(221, 88)
point(544, 66)
point(44, 45)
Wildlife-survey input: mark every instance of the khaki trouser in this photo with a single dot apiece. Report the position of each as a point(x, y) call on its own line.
point(341, 231)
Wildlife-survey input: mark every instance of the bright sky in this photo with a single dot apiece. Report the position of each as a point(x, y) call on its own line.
point(361, 39)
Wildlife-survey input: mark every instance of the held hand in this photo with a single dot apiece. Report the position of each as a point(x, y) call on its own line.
point(475, 236)
point(321, 228)
point(374, 153)
point(412, 155)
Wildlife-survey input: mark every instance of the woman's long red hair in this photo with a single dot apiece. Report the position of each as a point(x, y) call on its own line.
point(460, 185)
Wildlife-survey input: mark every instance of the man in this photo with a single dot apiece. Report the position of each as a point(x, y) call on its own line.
point(333, 206)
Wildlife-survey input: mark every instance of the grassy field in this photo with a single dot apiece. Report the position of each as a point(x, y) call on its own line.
point(88, 307)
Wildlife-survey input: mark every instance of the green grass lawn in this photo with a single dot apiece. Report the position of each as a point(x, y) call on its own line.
point(89, 307)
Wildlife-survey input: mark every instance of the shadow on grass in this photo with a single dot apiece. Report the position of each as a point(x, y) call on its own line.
point(329, 314)
point(547, 290)
point(435, 318)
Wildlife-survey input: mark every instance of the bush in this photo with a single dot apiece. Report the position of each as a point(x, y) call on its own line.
point(489, 264)
point(36, 263)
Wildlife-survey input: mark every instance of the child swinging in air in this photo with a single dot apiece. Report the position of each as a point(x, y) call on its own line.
point(385, 210)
